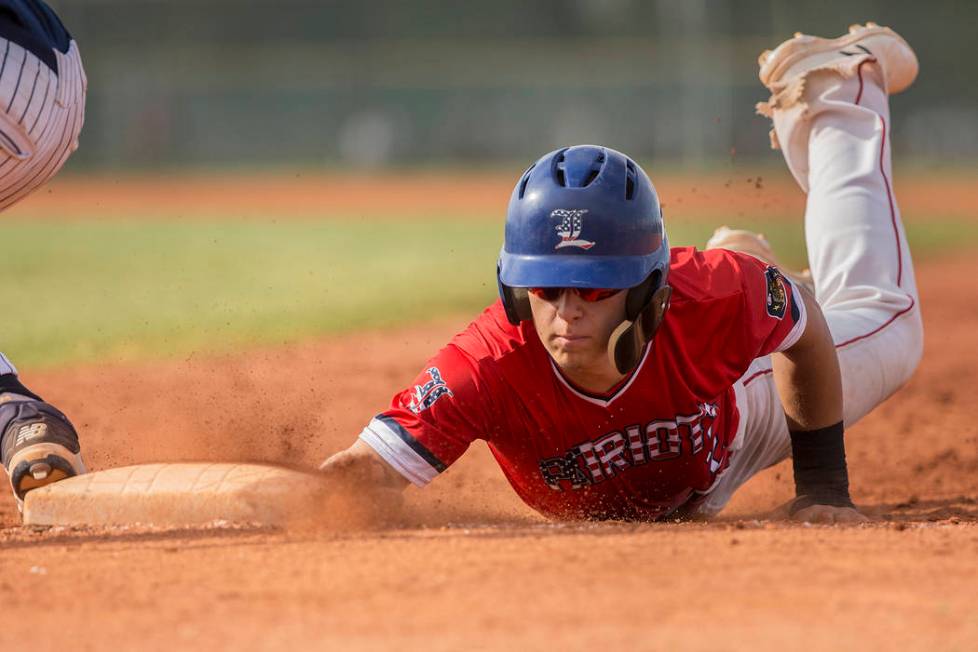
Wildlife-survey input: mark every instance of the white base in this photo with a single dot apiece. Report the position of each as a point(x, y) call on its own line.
point(178, 495)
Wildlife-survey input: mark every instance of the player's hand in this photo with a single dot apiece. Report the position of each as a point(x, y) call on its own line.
point(818, 514)
point(829, 514)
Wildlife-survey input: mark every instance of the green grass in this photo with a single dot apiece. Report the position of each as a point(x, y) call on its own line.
point(85, 291)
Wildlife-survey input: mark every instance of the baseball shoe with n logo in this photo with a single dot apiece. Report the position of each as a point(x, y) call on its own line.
point(798, 56)
point(38, 444)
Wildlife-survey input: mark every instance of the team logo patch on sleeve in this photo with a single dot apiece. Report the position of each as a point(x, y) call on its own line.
point(777, 297)
point(425, 395)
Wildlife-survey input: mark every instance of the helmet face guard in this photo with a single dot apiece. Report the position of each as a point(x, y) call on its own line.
point(586, 217)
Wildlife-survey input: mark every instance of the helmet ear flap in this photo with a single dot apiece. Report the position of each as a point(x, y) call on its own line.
point(639, 296)
point(628, 340)
point(516, 301)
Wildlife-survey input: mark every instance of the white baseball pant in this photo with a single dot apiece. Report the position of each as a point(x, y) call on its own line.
point(839, 152)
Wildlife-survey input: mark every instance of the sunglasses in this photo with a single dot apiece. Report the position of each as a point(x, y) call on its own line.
point(587, 294)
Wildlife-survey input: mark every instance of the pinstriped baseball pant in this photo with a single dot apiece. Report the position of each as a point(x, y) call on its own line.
point(41, 115)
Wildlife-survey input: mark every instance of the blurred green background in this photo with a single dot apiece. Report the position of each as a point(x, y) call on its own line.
point(253, 83)
point(179, 88)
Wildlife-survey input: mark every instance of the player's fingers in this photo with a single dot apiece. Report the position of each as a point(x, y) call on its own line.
point(851, 516)
point(814, 514)
point(826, 514)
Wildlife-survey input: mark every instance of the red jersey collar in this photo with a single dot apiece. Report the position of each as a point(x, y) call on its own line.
point(603, 399)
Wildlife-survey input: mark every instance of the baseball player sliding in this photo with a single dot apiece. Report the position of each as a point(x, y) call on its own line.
point(620, 378)
point(42, 108)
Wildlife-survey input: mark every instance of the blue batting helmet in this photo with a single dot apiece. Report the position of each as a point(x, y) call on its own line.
point(583, 216)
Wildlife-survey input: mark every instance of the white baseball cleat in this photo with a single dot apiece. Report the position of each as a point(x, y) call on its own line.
point(802, 54)
point(756, 245)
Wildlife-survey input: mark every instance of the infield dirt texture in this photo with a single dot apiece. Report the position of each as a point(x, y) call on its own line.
point(468, 566)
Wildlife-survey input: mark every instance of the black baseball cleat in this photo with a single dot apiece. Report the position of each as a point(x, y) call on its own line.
point(38, 444)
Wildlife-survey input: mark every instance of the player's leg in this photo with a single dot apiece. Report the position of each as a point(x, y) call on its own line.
point(831, 118)
point(42, 108)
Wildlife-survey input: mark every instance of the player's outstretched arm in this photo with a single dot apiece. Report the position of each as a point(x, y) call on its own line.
point(810, 385)
point(361, 465)
point(363, 476)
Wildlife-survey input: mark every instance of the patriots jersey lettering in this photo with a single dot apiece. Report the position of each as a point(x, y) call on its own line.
point(657, 441)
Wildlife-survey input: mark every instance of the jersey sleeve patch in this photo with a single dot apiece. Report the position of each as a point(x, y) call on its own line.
point(777, 297)
point(798, 314)
point(401, 450)
point(426, 394)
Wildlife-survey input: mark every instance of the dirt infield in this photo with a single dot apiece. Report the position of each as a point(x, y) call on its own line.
point(745, 191)
point(470, 567)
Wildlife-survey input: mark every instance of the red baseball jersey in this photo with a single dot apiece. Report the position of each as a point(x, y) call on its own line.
point(658, 439)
